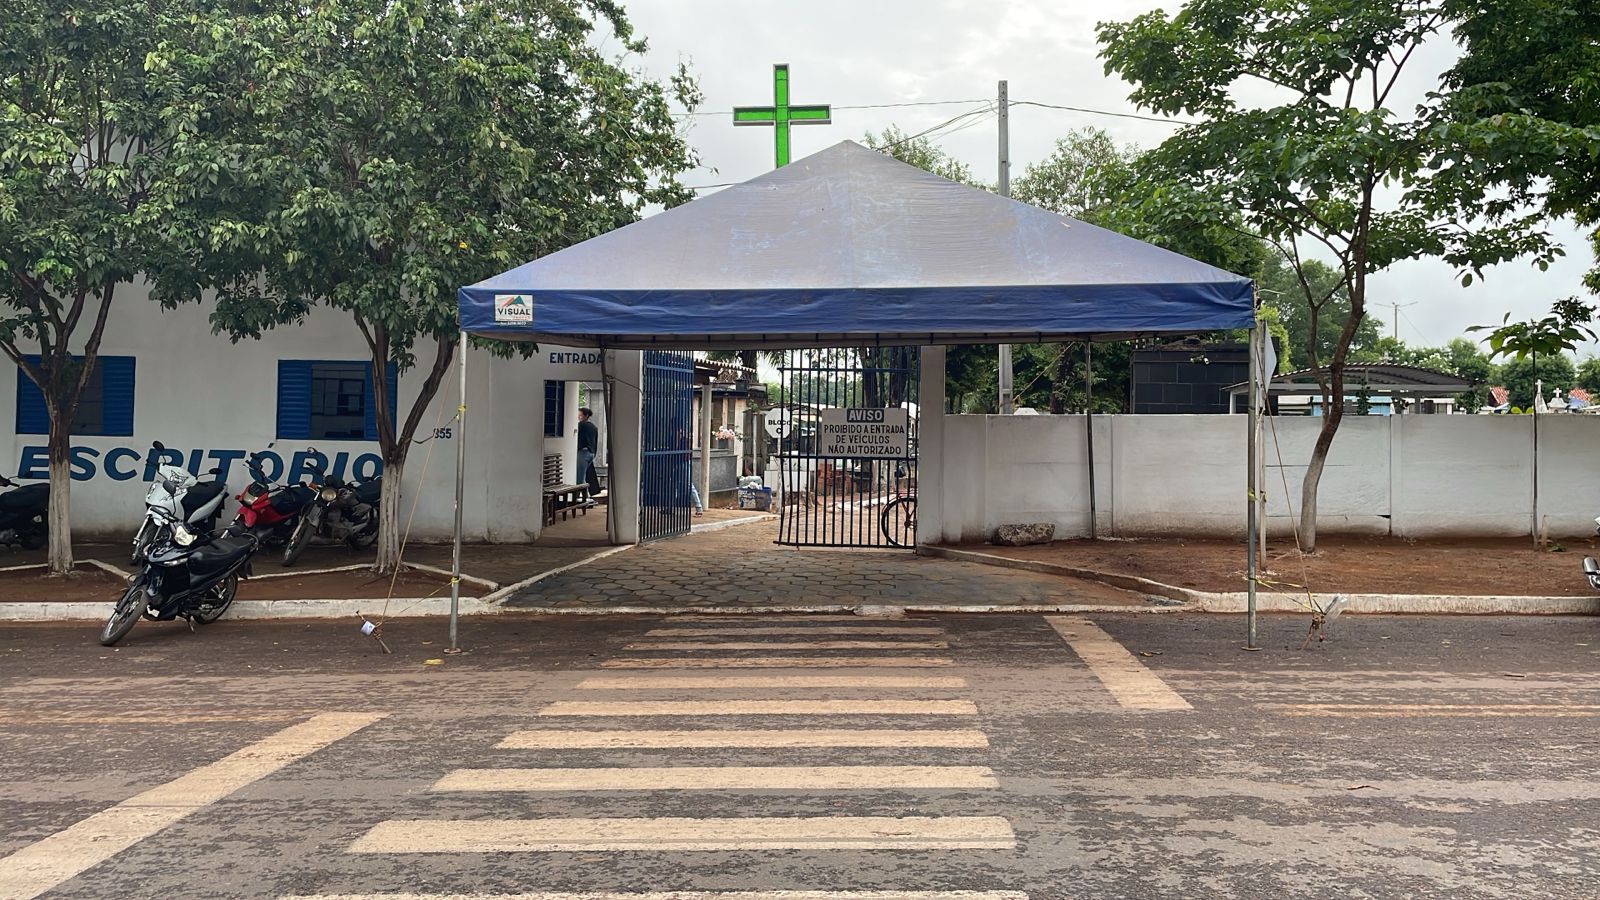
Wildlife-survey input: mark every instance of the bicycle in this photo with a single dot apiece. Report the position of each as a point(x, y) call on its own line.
point(898, 521)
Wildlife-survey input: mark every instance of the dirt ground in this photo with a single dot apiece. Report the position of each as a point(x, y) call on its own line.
point(86, 584)
point(1480, 567)
point(359, 584)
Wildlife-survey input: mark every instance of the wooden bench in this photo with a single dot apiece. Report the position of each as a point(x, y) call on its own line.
point(562, 498)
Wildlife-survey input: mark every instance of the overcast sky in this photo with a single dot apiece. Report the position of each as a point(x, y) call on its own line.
point(918, 51)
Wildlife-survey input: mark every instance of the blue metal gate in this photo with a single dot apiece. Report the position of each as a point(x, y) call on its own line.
point(667, 466)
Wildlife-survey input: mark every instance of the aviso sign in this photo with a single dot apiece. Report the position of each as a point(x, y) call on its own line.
point(868, 433)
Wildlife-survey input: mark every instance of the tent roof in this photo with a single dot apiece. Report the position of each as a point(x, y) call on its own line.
point(848, 247)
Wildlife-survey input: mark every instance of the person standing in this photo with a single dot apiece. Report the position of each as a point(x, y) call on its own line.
point(588, 446)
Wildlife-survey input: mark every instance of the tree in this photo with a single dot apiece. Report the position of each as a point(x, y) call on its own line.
point(1085, 176)
point(92, 172)
point(1327, 163)
point(1589, 375)
point(921, 152)
point(1281, 290)
point(402, 148)
point(1531, 70)
point(1519, 376)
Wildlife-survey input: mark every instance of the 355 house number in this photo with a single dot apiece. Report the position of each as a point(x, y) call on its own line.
point(443, 434)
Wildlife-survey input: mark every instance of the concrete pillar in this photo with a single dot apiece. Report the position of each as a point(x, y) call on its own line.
point(930, 447)
point(625, 368)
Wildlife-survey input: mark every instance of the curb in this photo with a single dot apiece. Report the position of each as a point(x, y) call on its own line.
point(729, 523)
point(404, 608)
point(1237, 601)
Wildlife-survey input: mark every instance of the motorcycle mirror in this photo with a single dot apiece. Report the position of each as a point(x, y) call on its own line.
point(6, 482)
point(214, 470)
point(158, 445)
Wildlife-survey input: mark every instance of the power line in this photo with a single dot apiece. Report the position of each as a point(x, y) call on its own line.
point(855, 106)
point(1077, 109)
point(1103, 112)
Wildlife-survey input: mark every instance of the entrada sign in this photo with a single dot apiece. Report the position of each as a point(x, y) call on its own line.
point(865, 433)
point(123, 464)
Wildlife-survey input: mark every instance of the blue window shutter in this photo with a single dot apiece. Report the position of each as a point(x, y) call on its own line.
point(294, 399)
point(32, 417)
point(116, 392)
point(555, 408)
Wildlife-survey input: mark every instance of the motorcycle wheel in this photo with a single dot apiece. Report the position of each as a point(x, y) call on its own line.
point(127, 612)
point(364, 538)
point(217, 602)
point(31, 538)
point(297, 541)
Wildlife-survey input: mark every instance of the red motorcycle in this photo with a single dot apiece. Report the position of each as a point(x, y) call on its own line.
point(270, 510)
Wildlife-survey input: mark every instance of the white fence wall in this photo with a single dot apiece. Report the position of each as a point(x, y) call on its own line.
point(1410, 476)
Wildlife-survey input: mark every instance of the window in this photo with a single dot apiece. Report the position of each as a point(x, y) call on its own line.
point(105, 408)
point(555, 408)
point(330, 400)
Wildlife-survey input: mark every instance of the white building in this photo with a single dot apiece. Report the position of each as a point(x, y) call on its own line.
point(165, 376)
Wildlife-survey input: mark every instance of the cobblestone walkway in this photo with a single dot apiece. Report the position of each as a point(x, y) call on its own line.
point(742, 567)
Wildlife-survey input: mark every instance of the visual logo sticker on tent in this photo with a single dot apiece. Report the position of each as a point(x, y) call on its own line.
point(513, 309)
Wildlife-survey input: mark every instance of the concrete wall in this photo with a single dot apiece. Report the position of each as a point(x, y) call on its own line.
point(1410, 476)
point(203, 396)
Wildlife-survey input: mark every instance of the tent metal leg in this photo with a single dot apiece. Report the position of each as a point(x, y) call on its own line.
point(1253, 486)
point(461, 468)
point(1088, 431)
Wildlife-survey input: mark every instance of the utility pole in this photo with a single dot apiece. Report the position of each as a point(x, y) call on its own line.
point(1395, 309)
point(1005, 191)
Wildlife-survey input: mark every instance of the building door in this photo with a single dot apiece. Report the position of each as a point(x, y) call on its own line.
point(847, 450)
point(667, 465)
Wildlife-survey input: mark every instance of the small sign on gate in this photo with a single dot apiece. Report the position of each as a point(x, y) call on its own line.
point(865, 433)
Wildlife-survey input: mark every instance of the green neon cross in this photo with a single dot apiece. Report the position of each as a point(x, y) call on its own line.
point(781, 114)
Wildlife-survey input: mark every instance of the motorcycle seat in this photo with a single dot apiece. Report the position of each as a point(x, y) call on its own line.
point(200, 495)
point(220, 553)
point(29, 496)
point(370, 491)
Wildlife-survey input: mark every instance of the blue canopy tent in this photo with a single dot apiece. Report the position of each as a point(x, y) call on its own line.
point(845, 248)
point(850, 247)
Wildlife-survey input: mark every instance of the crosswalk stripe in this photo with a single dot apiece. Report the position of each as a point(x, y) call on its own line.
point(789, 645)
point(796, 631)
point(782, 662)
point(743, 682)
point(686, 834)
point(719, 778)
point(760, 708)
point(1129, 681)
point(42, 865)
point(574, 740)
point(690, 895)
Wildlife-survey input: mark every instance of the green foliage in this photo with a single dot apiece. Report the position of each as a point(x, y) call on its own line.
point(393, 151)
point(1084, 176)
point(1562, 330)
point(1589, 375)
point(1519, 376)
point(922, 153)
point(1281, 290)
point(1531, 69)
point(94, 178)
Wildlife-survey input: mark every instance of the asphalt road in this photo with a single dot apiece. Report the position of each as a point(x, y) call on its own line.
point(1007, 756)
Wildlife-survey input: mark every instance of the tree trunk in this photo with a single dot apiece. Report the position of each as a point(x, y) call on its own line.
point(389, 519)
point(59, 515)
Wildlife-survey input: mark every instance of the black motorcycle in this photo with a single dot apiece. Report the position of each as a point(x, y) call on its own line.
point(22, 514)
point(342, 512)
point(188, 575)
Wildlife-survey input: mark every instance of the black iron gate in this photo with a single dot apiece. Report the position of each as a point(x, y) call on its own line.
point(847, 454)
point(667, 464)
